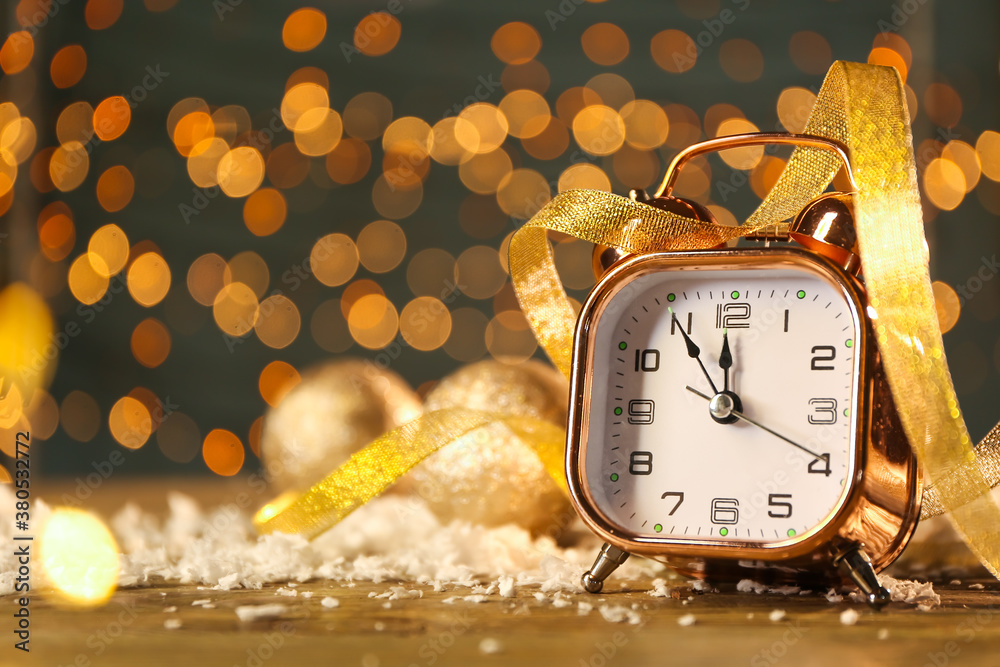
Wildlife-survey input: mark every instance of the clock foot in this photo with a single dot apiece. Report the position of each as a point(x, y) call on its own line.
point(607, 562)
point(856, 564)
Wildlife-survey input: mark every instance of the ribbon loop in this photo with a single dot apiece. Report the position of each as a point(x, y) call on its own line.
point(864, 107)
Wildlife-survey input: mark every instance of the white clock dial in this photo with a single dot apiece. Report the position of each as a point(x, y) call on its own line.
point(663, 462)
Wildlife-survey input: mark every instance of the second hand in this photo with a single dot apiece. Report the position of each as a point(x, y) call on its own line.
point(740, 415)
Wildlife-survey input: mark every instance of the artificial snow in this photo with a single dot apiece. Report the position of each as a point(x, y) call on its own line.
point(255, 612)
point(391, 539)
point(849, 617)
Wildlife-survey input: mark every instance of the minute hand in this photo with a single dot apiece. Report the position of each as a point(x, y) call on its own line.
point(742, 416)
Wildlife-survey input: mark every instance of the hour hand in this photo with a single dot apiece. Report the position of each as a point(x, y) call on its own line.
point(693, 351)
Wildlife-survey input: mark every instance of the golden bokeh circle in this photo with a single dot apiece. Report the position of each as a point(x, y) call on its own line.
point(249, 268)
point(191, 129)
point(68, 166)
point(150, 342)
point(112, 117)
point(206, 277)
point(241, 171)
point(522, 192)
point(78, 556)
point(794, 106)
point(203, 161)
point(516, 43)
point(395, 203)
point(944, 184)
point(276, 380)
point(86, 283)
point(223, 452)
point(68, 66)
point(740, 158)
point(490, 126)
point(111, 246)
point(75, 123)
point(584, 176)
point(431, 272)
point(646, 124)
point(325, 129)
point(149, 279)
point(425, 323)
point(334, 259)
point(278, 322)
point(381, 246)
point(605, 44)
point(298, 100)
point(235, 309)
point(115, 188)
point(482, 173)
point(373, 321)
point(130, 422)
point(478, 272)
point(367, 115)
point(674, 51)
point(304, 29)
point(599, 129)
point(264, 211)
point(377, 34)
point(947, 304)
point(527, 113)
point(741, 60)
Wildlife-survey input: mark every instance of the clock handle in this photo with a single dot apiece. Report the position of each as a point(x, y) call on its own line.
point(607, 562)
point(856, 565)
point(753, 139)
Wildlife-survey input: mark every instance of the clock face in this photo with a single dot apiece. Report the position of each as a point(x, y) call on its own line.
point(721, 402)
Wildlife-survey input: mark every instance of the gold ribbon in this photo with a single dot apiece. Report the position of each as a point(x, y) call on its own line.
point(864, 107)
point(380, 464)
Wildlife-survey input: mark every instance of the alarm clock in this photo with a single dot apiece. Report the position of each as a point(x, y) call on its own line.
point(729, 413)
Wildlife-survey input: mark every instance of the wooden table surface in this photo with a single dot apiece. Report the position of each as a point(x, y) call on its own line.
point(729, 628)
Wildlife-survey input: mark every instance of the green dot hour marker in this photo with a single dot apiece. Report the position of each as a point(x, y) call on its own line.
point(618, 411)
point(723, 531)
point(847, 412)
point(658, 528)
point(801, 294)
point(791, 532)
point(736, 294)
point(614, 477)
point(622, 345)
point(849, 343)
point(671, 296)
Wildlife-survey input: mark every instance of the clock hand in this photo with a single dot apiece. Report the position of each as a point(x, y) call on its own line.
point(725, 358)
point(722, 403)
point(693, 351)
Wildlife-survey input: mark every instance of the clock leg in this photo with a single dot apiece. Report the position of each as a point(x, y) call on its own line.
point(856, 564)
point(607, 562)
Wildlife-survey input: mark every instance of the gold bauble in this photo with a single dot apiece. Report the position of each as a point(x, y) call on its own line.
point(490, 477)
point(337, 408)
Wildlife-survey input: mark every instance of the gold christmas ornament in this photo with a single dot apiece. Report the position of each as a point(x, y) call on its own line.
point(490, 477)
point(337, 408)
